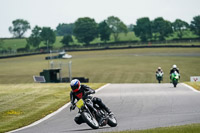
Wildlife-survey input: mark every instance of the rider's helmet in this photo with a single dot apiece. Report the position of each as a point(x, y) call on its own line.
point(75, 85)
point(174, 66)
point(159, 68)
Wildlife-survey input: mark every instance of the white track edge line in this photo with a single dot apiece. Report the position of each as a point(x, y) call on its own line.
point(52, 114)
point(190, 87)
point(102, 87)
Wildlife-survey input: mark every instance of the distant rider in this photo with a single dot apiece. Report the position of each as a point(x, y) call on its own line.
point(82, 91)
point(159, 70)
point(173, 69)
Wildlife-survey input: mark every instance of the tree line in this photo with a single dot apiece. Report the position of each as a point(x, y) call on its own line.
point(87, 29)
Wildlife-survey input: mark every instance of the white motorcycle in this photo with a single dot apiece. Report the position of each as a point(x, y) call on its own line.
point(159, 76)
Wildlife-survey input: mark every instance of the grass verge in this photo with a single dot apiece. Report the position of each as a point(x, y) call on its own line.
point(195, 85)
point(22, 104)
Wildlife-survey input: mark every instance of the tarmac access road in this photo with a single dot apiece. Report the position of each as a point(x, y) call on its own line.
point(136, 107)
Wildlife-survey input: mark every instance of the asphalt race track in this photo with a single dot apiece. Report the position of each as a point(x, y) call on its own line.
point(136, 106)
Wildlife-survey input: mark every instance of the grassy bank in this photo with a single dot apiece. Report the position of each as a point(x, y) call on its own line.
point(195, 85)
point(22, 104)
point(108, 66)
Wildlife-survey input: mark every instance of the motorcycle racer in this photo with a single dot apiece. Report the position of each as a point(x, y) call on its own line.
point(159, 74)
point(159, 70)
point(173, 69)
point(82, 91)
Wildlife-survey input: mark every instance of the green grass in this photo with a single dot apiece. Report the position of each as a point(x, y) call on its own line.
point(134, 65)
point(14, 44)
point(195, 85)
point(108, 66)
point(22, 104)
point(192, 128)
point(187, 34)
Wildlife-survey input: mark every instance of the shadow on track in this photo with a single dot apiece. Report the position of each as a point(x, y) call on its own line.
point(86, 129)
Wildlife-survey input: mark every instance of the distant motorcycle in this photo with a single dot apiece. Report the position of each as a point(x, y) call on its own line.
point(175, 78)
point(159, 76)
point(93, 115)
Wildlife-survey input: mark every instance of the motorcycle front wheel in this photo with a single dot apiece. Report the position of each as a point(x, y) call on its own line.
point(112, 121)
point(175, 83)
point(90, 120)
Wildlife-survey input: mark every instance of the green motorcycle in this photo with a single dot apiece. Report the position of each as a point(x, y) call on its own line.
point(175, 78)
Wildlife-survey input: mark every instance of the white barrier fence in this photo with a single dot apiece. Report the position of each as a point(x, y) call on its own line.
point(195, 79)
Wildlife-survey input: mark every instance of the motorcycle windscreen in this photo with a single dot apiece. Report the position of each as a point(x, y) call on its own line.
point(80, 104)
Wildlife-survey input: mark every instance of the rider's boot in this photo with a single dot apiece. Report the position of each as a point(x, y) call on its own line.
point(108, 111)
point(102, 105)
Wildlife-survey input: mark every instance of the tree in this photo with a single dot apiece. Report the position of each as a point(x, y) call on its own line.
point(64, 29)
point(143, 29)
point(130, 27)
point(179, 27)
point(48, 36)
point(20, 26)
point(116, 26)
point(161, 28)
point(104, 31)
point(195, 25)
point(85, 30)
point(35, 38)
point(66, 40)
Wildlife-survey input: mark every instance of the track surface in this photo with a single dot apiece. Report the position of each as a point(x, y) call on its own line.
point(136, 106)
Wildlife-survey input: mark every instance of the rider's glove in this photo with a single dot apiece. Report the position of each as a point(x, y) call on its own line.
point(87, 93)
